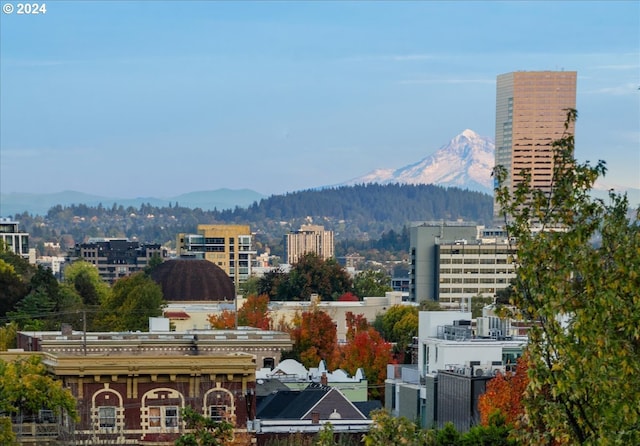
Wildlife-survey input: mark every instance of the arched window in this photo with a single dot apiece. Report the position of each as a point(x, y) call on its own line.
point(219, 405)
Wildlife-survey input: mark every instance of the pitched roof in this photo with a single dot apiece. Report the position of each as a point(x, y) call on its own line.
point(299, 405)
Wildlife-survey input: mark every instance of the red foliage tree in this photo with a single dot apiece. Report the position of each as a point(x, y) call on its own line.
point(348, 297)
point(314, 338)
point(504, 395)
point(366, 349)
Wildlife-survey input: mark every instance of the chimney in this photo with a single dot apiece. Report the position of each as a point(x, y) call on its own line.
point(323, 379)
point(315, 417)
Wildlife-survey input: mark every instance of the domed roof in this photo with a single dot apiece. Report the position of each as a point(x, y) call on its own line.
point(193, 280)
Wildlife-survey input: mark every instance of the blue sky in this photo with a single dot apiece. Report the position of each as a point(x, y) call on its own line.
point(157, 98)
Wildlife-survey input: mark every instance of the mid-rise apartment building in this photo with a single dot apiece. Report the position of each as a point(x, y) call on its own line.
point(13, 239)
point(310, 238)
point(227, 246)
point(116, 257)
point(531, 110)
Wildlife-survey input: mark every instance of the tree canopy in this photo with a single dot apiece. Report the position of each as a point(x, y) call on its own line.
point(132, 301)
point(578, 281)
point(25, 389)
point(310, 275)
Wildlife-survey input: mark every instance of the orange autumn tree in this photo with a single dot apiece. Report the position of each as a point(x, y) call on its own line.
point(314, 338)
point(504, 395)
point(366, 349)
point(253, 313)
point(223, 320)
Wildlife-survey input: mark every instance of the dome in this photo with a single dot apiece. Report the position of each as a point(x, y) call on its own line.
point(193, 280)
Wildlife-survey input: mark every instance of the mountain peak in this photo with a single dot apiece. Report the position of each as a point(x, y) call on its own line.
point(469, 134)
point(466, 161)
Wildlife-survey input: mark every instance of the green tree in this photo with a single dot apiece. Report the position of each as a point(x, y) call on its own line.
point(310, 275)
point(132, 301)
point(390, 430)
point(25, 388)
point(87, 282)
point(578, 281)
point(371, 283)
point(478, 302)
point(8, 337)
point(399, 324)
point(206, 432)
point(12, 287)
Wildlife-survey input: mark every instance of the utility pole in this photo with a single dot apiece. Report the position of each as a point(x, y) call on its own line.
point(84, 331)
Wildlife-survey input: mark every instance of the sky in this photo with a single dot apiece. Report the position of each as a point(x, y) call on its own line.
point(158, 98)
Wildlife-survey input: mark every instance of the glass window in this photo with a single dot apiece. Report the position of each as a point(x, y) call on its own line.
point(107, 416)
point(154, 417)
point(218, 412)
point(171, 416)
point(163, 416)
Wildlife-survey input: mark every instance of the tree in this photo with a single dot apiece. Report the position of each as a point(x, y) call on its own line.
point(310, 275)
point(348, 297)
point(577, 279)
point(133, 300)
point(224, 320)
point(206, 432)
point(314, 338)
point(390, 430)
point(399, 325)
point(8, 336)
point(86, 281)
point(504, 395)
point(255, 312)
point(371, 283)
point(478, 303)
point(366, 349)
point(12, 287)
point(25, 389)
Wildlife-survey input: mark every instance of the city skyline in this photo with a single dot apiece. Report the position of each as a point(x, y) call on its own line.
point(135, 99)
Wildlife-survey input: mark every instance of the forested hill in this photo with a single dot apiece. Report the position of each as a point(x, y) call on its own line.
point(390, 205)
point(353, 212)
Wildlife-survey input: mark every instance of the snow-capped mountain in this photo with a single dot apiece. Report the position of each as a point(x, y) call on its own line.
point(465, 162)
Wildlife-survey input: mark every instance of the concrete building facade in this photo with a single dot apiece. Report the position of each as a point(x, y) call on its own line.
point(473, 269)
point(115, 257)
point(16, 241)
point(531, 109)
point(453, 262)
point(310, 238)
point(227, 246)
point(454, 363)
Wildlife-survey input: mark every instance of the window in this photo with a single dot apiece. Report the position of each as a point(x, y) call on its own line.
point(163, 416)
point(218, 412)
point(107, 416)
point(171, 417)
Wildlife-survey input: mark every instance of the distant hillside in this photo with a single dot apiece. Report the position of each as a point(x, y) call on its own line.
point(39, 204)
point(359, 212)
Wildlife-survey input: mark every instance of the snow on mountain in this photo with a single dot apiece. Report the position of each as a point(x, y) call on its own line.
point(465, 162)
